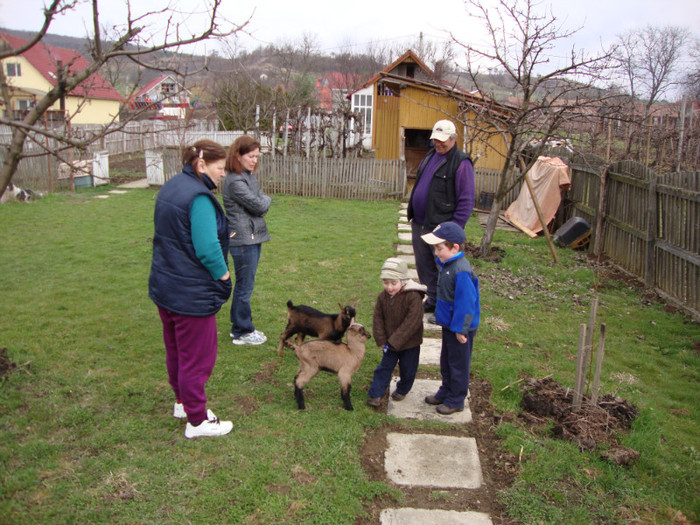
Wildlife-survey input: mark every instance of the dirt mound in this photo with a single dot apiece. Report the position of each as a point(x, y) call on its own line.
point(472, 251)
point(589, 427)
point(6, 365)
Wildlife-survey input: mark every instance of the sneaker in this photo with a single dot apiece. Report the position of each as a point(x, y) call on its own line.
point(446, 411)
point(208, 427)
point(428, 308)
point(252, 338)
point(179, 411)
point(432, 400)
point(431, 319)
point(397, 397)
point(374, 401)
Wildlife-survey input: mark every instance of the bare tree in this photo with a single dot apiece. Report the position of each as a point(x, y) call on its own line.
point(136, 39)
point(548, 90)
point(648, 60)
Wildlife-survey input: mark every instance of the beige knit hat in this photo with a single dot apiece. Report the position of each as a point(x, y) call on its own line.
point(394, 268)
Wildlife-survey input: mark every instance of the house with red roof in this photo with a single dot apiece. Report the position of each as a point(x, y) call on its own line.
point(334, 86)
point(34, 73)
point(165, 94)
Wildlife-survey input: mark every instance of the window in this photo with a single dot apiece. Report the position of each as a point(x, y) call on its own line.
point(362, 104)
point(24, 105)
point(14, 70)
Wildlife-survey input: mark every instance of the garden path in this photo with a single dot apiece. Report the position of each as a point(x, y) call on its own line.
point(428, 460)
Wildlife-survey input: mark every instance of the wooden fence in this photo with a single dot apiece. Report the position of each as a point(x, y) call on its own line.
point(649, 224)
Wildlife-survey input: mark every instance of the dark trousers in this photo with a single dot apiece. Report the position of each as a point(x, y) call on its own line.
point(245, 265)
point(425, 260)
point(408, 366)
point(190, 354)
point(455, 362)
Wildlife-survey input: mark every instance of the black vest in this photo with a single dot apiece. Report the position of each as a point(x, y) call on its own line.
point(179, 282)
point(441, 201)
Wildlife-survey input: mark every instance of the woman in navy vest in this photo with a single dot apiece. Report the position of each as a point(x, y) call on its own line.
point(190, 281)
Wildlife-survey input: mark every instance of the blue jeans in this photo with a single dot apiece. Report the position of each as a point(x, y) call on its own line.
point(455, 365)
point(245, 264)
point(408, 366)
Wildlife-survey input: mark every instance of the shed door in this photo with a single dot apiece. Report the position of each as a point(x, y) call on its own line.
point(416, 145)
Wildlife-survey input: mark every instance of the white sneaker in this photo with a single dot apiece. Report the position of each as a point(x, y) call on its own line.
point(179, 411)
point(208, 427)
point(252, 338)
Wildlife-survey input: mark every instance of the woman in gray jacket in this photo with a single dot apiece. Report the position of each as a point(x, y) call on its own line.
point(246, 206)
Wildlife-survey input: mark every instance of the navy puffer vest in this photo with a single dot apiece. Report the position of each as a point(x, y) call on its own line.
point(179, 282)
point(441, 202)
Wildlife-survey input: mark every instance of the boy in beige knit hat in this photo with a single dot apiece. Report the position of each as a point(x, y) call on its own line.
point(397, 325)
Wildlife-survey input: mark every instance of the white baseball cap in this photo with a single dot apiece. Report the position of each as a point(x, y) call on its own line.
point(442, 130)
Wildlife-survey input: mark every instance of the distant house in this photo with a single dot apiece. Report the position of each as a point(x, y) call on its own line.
point(165, 94)
point(402, 102)
point(333, 88)
point(34, 73)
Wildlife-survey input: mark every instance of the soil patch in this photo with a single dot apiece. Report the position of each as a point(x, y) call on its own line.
point(498, 467)
point(126, 168)
point(472, 251)
point(6, 364)
point(590, 426)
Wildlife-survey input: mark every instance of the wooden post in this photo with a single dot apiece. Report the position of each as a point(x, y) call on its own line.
point(580, 359)
point(589, 339)
point(273, 140)
point(652, 217)
point(600, 214)
point(598, 365)
point(286, 133)
point(541, 218)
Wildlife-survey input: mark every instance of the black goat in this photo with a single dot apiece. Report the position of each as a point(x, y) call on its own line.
point(304, 320)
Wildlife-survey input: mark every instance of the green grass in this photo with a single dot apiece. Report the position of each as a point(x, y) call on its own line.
point(86, 434)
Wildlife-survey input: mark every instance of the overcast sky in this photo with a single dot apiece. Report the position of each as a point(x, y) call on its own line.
point(335, 25)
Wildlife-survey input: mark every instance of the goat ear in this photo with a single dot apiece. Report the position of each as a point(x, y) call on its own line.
point(342, 308)
point(356, 303)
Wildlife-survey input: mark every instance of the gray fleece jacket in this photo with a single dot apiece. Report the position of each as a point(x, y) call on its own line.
point(246, 205)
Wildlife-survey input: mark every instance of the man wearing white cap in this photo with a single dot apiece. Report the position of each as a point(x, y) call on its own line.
point(444, 191)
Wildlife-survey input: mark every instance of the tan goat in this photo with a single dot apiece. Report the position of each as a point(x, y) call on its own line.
point(340, 358)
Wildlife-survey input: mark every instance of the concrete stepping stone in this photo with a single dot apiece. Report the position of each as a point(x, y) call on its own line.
point(409, 516)
point(404, 248)
point(100, 196)
point(430, 351)
point(413, 274)
point(410, 260)
point(427, 460)
point(403, 206)
point(403, 227)
point(405, 236)
point(117, 191)
point(403, 219)
point(403, 211)
point(430, 327)
point(414, 406)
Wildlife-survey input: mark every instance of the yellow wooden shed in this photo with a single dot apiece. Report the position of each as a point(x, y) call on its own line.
point(407, 102)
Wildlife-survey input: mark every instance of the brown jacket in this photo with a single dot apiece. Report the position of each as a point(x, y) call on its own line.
point(398, 320)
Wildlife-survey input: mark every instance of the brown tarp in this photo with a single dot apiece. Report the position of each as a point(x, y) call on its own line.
point(549, 177)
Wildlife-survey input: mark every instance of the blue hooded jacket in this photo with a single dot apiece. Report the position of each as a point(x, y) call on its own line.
point(179, 282)
point(457, 307)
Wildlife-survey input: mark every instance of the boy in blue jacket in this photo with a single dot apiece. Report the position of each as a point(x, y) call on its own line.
point(457, 311)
